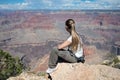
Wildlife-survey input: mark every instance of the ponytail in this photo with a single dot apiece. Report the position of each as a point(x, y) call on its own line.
point(75, 37)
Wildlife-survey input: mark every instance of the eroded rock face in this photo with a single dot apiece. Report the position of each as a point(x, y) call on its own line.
point(79, 71)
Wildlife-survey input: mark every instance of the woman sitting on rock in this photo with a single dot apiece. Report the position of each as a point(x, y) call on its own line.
point(73, 54)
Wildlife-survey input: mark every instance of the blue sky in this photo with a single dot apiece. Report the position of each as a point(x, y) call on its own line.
point(59, 4)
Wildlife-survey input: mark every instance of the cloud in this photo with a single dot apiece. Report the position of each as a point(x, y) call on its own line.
point(15, 6)
point(64, 4)
point(47, 2)
point(109, 4)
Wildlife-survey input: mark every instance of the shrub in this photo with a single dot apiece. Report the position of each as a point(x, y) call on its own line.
point(9, 66)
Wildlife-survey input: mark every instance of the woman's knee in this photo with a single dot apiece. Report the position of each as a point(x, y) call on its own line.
point(54, 49)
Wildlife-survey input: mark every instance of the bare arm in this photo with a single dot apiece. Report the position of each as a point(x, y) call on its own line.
point(64, 44)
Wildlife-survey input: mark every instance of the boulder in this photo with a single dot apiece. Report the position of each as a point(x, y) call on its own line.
point(79, 71)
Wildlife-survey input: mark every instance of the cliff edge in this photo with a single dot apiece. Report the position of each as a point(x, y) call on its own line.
point(75, 71)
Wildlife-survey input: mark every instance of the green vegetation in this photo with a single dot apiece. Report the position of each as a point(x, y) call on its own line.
point(113, 61)
point(9, 66)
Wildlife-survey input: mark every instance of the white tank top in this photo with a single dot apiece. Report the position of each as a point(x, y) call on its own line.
point(79, 52)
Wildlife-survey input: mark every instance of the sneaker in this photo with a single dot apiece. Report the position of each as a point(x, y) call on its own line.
point(50, 70)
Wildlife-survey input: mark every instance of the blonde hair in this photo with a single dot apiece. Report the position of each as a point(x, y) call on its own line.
point(75, 37)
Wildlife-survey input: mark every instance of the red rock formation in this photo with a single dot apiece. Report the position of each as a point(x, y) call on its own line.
point(88, 50)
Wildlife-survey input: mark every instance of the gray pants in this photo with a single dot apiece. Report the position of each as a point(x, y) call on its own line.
point(64, 54)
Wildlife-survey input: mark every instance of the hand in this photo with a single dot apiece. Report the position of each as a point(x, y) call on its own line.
point(58, 46)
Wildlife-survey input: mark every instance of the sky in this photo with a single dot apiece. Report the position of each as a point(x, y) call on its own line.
point(59, 4)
